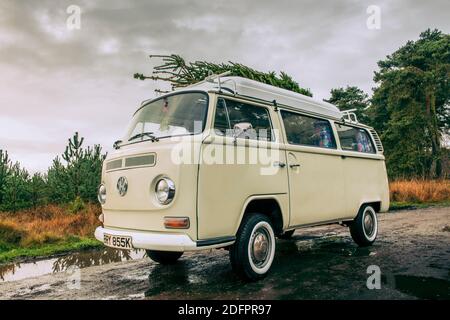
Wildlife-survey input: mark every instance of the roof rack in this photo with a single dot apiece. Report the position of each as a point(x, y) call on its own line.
point(211, 78)
point(349, 116)
point(251, 89)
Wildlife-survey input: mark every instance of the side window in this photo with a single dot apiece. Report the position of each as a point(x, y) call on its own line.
point(308, 131)
point(221, 122)
point(354, 139)
point(239, 112)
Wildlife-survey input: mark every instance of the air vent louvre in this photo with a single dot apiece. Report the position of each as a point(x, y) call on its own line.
point(146, 160)
point(114, 164)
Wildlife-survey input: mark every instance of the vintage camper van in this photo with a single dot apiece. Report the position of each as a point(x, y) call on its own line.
point(233, 163)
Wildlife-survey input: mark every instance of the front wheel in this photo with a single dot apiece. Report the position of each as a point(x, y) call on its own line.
point(364, 228)
point(252, 254)
point(164, 257)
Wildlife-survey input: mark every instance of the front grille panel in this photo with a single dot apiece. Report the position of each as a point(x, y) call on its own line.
point(131, 162)
point(114, 164)
point(138, 161)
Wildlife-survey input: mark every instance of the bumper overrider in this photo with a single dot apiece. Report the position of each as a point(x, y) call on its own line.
point(163, 241)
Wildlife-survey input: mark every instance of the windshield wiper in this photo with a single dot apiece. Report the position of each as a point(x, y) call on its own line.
point(143, 134)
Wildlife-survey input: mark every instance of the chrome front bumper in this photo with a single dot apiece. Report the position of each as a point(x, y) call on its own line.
point(152, 240)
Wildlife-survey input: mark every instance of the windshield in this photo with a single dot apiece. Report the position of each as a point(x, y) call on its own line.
point(175, 115)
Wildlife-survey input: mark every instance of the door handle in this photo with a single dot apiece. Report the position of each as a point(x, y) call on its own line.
point(295, 165)
point(279, 164)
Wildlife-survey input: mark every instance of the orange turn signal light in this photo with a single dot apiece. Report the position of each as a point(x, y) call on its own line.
point(176, 222)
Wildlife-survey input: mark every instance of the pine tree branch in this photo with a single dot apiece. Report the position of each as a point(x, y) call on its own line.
point(178, 73)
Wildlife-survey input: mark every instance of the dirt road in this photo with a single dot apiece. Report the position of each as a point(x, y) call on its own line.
point(412, 252)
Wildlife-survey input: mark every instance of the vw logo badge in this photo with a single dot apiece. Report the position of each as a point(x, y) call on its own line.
point(122, 186)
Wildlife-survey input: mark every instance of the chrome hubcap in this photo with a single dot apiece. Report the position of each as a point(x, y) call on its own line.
point(369, 224)
point(260, 247)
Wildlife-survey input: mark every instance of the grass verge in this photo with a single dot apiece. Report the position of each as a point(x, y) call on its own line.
point(46, 231)
point(395, 206)
point(45, 250)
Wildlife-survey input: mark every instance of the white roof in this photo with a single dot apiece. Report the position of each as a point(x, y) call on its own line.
point(258, 90)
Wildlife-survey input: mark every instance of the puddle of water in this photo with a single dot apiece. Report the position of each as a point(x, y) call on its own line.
point(302, 269)
point(18, 271)
point(325, 268)
point(423, 287)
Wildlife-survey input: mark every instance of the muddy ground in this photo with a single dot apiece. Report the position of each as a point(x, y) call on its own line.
point(412, 252)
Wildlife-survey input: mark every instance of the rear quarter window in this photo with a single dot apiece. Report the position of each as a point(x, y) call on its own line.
point(308, 131)
point(355, 139)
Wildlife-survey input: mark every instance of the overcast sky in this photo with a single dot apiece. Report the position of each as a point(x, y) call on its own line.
point(55, 81)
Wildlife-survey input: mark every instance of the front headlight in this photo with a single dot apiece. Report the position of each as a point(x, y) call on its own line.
point(165, 191)
point(101, 194)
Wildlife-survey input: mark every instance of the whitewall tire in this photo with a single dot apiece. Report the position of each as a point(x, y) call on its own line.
point(364, 229)
point(253, 252)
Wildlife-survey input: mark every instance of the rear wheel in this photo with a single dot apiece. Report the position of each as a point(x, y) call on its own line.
point(364, 228)
point(164, 257)
point(252, 254)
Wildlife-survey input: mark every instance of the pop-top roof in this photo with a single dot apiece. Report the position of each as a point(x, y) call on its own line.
point(258, 90)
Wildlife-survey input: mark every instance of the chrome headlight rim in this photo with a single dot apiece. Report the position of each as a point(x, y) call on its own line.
point(101, 194)
point(167, 191)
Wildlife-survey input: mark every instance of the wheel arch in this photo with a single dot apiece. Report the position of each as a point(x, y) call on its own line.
point(269, 205)
point(376, 205)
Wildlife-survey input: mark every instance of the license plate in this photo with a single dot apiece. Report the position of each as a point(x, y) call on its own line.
point(120, 242)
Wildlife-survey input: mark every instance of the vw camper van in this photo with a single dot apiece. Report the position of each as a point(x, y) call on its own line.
point(233, 163)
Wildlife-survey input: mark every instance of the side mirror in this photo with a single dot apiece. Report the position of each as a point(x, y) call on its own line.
point(243, 130)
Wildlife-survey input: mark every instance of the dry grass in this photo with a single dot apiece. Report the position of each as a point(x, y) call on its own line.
point(420, 190)
point(48, 224)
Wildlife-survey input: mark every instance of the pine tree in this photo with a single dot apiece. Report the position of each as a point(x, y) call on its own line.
point(37, 189)
point(178, 73)
point(349, 98)
point(58, 183)
point(17, 195)
point(91, 167)
point(410, 106)
point(73, 155)
point(4, 174)
point(80, 176)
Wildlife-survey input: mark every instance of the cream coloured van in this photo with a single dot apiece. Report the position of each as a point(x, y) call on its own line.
point(233, 163)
